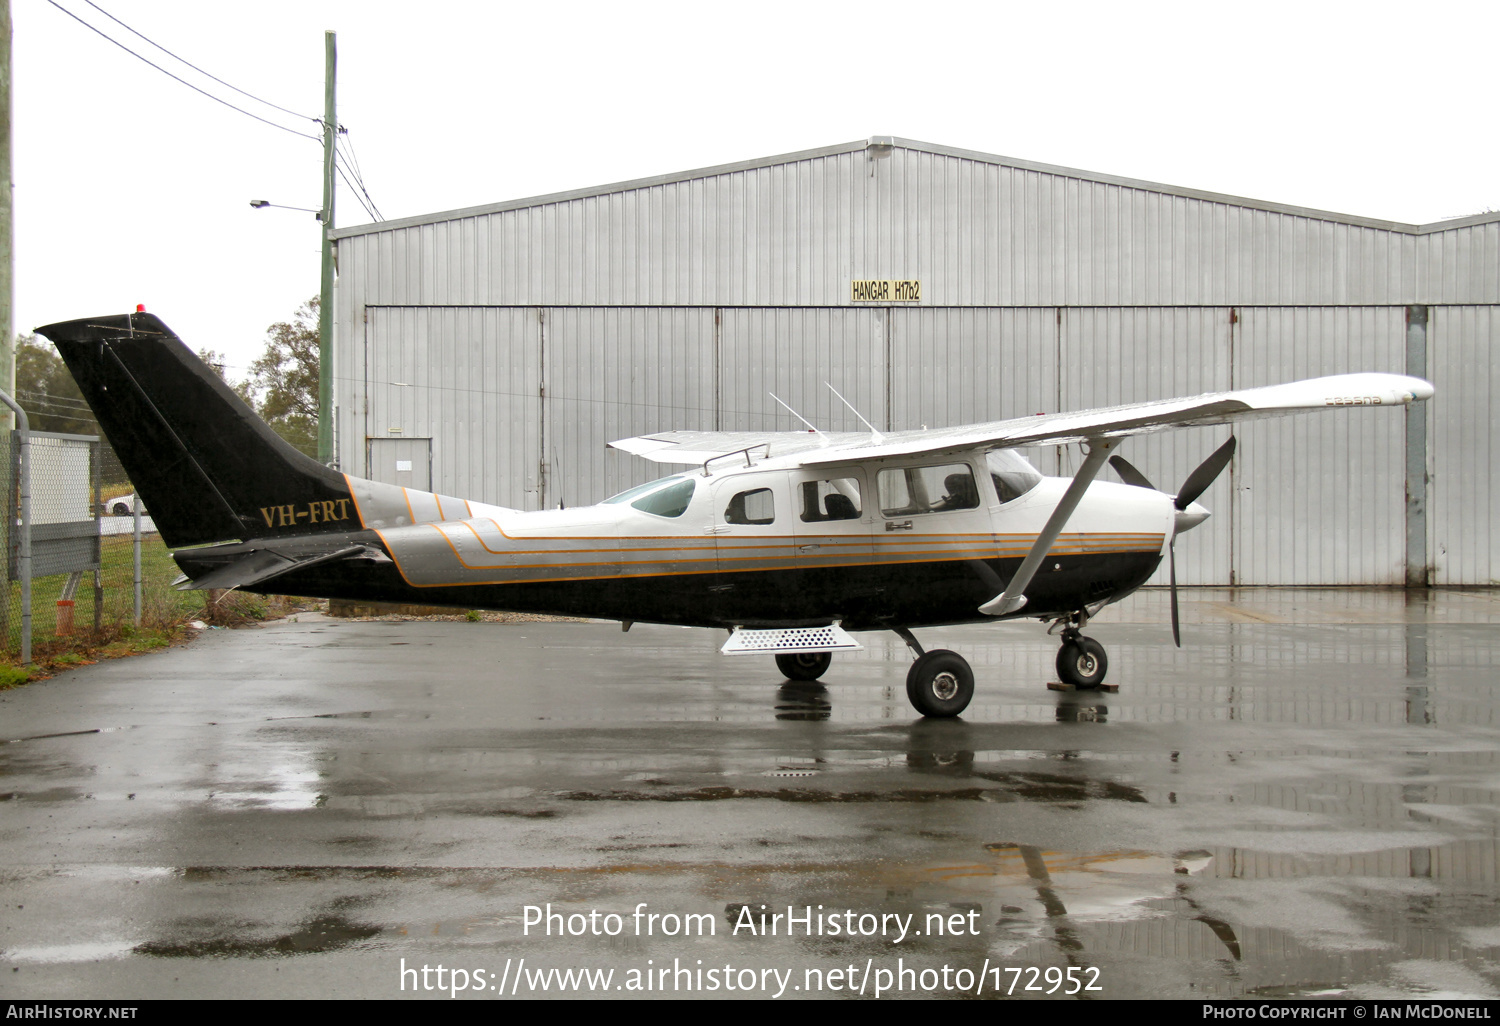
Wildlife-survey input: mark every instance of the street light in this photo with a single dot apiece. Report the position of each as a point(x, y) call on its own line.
point(262, 204)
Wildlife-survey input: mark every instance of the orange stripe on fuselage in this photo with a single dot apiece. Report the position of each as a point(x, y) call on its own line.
point(1120, 543)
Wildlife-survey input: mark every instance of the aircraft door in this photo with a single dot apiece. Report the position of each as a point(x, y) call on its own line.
point(754, 542)
point(834, 521)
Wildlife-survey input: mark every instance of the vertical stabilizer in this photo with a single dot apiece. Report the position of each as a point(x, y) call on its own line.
point(207, 468)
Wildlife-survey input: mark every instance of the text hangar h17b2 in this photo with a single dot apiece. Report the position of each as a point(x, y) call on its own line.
point(788, 539)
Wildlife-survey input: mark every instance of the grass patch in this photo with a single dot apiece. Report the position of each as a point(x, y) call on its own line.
point(165, 612)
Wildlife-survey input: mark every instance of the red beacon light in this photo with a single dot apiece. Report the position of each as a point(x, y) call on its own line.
point(140, 308)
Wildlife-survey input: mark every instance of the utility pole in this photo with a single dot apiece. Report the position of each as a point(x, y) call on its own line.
point(7, 337)
point(7, 256)
point(325, 303)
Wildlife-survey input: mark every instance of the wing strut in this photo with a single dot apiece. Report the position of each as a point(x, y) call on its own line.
point(1011, 599)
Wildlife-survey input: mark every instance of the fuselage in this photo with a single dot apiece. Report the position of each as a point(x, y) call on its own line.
point(894, 543)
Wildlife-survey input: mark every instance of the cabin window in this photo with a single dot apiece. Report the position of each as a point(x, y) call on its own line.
point(665, 497)
point(834, 499)
point(905, 491)
point(1012, 474)
point(752, 507)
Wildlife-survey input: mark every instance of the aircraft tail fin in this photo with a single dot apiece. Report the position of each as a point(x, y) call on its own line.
point(207, 468)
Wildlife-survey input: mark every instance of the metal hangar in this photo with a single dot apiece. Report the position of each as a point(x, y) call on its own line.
point(491, 352)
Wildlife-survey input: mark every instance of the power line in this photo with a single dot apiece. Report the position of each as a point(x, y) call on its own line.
point(195, 67)
point(359, 188)
point(54, 399)
point(357, 198)
point(359, 176)
point(164, 71)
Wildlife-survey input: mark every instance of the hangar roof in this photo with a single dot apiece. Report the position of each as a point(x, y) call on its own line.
point(908, 144)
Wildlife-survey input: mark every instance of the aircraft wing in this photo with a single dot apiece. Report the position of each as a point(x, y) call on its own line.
point(820, 449)
point(698, 446)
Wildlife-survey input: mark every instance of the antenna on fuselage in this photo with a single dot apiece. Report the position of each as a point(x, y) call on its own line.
point(875, 436)
point(822, 438)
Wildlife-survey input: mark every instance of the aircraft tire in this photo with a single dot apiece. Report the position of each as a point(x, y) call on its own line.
point(940, 684)
point(803, 665)
point(1082, 663)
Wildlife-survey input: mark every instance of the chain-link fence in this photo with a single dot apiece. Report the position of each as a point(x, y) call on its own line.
point(95, 576)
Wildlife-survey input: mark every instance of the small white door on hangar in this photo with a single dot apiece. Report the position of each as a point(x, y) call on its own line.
point(401, 461)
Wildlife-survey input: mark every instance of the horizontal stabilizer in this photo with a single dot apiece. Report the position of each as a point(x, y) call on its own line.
point(832, 638)
point(264, 564)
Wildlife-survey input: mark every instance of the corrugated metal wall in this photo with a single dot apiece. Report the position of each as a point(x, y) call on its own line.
point(469, 379)
point(683, 301)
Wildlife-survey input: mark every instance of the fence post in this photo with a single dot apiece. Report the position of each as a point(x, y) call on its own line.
point(23, 433)
point(96, 463)
point(136, 509)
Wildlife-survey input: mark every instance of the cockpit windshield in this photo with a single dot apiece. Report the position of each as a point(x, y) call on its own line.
point(1012, 474)
point(664, 497)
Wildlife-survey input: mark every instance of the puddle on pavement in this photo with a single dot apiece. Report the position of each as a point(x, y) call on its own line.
point(326, 933)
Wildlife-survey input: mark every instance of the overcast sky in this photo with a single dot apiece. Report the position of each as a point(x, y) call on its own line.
point(131, 188)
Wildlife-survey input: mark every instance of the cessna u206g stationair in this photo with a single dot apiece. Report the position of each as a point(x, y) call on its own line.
point(787, 539)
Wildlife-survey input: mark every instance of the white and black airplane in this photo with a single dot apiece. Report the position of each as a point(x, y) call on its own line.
point(789, 540)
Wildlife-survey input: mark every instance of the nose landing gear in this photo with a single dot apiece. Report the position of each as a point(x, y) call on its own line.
point(1081, 661)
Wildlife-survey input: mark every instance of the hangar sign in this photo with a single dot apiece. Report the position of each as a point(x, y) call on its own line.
point(874, 290)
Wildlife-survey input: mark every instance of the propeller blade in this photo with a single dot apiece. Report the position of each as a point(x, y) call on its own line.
point(1129, 474)
point(1198, 481)
point(1172, 564)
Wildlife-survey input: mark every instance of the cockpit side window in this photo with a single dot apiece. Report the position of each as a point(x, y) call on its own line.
point(935, 489)
point(671, 501)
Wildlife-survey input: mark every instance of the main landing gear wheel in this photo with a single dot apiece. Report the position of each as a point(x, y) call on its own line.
point(1081, 662)
point(940, 683)
point(803, 665)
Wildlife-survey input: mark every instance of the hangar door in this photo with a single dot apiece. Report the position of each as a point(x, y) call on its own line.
point(468, 378)
point(519, 401)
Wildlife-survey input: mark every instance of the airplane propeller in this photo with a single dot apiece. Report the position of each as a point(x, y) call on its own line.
point(1196, 484)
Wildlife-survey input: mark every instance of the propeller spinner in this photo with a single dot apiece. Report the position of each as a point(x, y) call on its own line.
point(1189, 513)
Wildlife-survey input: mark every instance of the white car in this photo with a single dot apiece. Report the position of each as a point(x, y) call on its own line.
point(125, 505)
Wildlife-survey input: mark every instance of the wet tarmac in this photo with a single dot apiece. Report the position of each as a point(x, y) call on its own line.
point(1301, 802)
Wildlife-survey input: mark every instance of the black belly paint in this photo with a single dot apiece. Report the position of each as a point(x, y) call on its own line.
point(861, 597)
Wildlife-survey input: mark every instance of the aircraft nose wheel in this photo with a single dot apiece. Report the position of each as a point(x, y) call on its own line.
point(1081, 662)
point(940, 683)
point(803, 665)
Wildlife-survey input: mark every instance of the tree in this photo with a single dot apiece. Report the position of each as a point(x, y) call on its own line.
point(283, 382)
point(47, 392)
point(53, 401)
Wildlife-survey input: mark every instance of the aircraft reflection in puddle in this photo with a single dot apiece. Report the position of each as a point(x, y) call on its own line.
point(1044, 896)
point(953, 749)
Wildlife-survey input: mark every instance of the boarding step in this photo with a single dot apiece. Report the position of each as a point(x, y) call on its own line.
point(832, 638)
